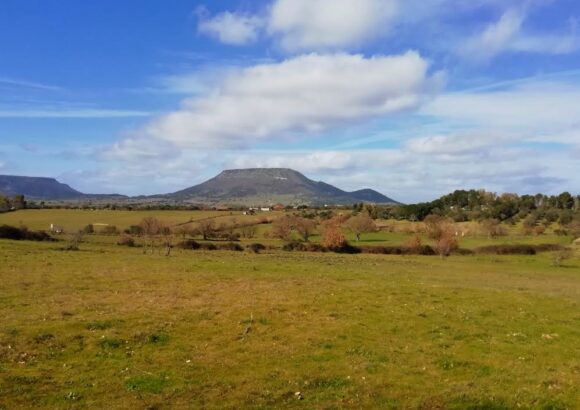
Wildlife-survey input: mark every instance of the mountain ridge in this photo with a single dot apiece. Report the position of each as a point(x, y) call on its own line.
point(250, 186)
point(36, 187)
point(283, 185)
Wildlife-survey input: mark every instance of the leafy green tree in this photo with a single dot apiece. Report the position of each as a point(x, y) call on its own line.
point(565, 201)
point(18, 202)
point(4, 204)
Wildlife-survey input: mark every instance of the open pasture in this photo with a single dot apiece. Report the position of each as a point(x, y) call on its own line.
point(108, 326)
point(390, 233)
point(75, 219)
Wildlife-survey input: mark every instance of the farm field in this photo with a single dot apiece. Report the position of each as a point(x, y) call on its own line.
point(109, 326)
point(73, 220)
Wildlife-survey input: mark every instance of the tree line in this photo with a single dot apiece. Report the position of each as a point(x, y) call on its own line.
point(12, 203)
point(477, 205)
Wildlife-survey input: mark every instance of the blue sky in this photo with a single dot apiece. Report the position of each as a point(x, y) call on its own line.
point(413, 98)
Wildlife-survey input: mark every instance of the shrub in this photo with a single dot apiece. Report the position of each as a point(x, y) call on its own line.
point(346, 248)
point(23, 234)
point(507, 250)
point(436, 226)
point(208, 247)
point(304, 247)
point(549, 247)
point(126, 240)
point(282, 228)
point(256, 247)
point(134, 230)
point(249, 231)
point(314, 247)
point(110, 230)
point(462, 251)
point(414, 243)
point(492, 228)
point(446, 244)
point(561, 256)
point(189, 244)
point(382, 250)
point(399, 250)
point(519, 249)
point(539, 230)
point(294, 246)
point(231, 246)
point(333, 238)
point(89, 229)
point(74, 242)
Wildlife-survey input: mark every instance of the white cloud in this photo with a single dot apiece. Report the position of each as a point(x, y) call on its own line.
point(15, 82)
point(302, 95)
point(404, 173)
point(456, 145)
point(508, 35)
point(71, 113)
point(316, 162)
point(547, 44)
point(139, 150)
point(495, 38)
point(329, 24)
point(232, 28)
point(410, 175)
point(536, 107)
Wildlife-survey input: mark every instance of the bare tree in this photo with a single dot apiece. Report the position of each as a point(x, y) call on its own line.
point(167, 236)
point(184, 231)
point(441, 230)
point(282, 228)
point(206, 228)
point(434, 225)
point(332, 237)
point(305, 227)
point(152, 228)
point(360, 224)
point(249, 231)
point(492, 228)
point(414, 243)
point(446, 243)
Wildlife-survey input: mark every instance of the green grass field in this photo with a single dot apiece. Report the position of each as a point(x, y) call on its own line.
point(75, 219)
point(110, 327)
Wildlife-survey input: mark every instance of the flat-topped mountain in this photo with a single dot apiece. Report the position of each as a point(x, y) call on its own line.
point(272, 185)
point(36, 188)
point(41, 188)
point(256, 186)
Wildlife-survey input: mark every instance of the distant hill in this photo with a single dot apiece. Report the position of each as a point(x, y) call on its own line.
point(41, 188)
point(36, 188)
point(261, 186)
point(256, 186)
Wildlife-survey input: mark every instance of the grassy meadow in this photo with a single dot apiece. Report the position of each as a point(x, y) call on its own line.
point(110, 327)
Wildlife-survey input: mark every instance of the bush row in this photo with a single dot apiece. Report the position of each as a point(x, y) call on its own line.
point(426, 250)
point(23, 234)
point(191, 244)
point(517, 249)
